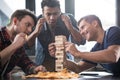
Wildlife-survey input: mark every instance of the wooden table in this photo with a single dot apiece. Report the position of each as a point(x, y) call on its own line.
point(88, 75)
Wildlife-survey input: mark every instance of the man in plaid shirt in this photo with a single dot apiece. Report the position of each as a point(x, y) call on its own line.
point(12, 39)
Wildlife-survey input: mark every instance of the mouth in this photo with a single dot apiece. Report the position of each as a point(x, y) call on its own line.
point(52, 22)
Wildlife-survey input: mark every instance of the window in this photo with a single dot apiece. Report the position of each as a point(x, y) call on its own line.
point(15, 4)
point(104, 9)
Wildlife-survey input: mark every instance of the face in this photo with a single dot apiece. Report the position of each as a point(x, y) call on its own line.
point(25, 25)
point(51, 14)
point(87, 30)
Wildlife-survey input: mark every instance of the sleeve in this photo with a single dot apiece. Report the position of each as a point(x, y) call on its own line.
point(0, 54)
point(113, 36)
point(0, 65)
point(25, 63)
point(39, 56)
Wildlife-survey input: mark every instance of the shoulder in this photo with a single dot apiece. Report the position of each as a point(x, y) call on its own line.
point(68, 14)
point(113, 35)
point(113, 30)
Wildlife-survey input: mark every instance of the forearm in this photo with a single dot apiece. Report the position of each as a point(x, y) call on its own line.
point(76, 35)
point(6, 53)
point(35, 33)
point(78, 67)
point(31, 39)
point(72, 66)
point(103, 56)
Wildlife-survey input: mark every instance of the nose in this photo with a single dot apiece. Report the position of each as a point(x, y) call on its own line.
point(52, 17)
point(30, 29)
point(81, 32)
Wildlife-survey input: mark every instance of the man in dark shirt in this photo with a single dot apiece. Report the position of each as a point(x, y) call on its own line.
point(12, 39)
point(106, 51)
point(56, 23)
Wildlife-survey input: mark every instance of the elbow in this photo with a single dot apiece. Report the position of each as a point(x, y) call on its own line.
point(116, 55)
point(115, 58)
point(114, 61)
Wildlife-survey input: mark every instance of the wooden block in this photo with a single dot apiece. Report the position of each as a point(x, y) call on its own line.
point(60, 38)
point(60, 52)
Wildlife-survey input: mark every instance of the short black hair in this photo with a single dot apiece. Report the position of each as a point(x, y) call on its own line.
point(90, 18)
point(21, 13)
point(50, 3)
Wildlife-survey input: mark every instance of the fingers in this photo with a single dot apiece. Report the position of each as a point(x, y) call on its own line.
point(40, 68)
point(67, 44)
point(25, 36)
point(19, 40)
point(51, 48)
point(41, 21)
point(65, 17)
point(39, 25)
point(22, 35)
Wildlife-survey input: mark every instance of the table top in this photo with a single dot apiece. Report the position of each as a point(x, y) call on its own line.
point(88, 75)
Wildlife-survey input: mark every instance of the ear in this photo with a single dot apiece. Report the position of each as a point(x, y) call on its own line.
point(15, 21)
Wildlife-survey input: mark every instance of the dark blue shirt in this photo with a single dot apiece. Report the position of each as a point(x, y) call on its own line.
point(112, 37)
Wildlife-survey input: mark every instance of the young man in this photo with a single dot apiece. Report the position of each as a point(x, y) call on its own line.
point(106, 51)
point(12, 39)
point(56, 23)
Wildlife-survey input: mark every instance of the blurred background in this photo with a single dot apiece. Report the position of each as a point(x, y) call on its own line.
point(107, 10)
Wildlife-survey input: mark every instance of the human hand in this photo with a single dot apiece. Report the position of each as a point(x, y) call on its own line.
point(39, 25)
point(19, 40)
point(70, 47)
point(66, 20)
point(51, 49)
point(40, 68)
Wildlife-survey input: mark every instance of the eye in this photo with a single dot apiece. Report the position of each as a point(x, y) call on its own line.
point(27, 24)
point(82, 27)
point(49, 14)
point(57, 13)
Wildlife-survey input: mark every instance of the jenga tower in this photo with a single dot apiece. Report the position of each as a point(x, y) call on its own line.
point(60, 52)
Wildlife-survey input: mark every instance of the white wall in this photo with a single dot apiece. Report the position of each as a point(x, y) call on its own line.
point(5, 8)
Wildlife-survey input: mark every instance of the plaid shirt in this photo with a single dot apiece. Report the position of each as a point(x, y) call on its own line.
point(19, 58)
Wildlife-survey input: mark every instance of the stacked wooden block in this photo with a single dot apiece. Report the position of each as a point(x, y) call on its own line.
point(60, 52)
